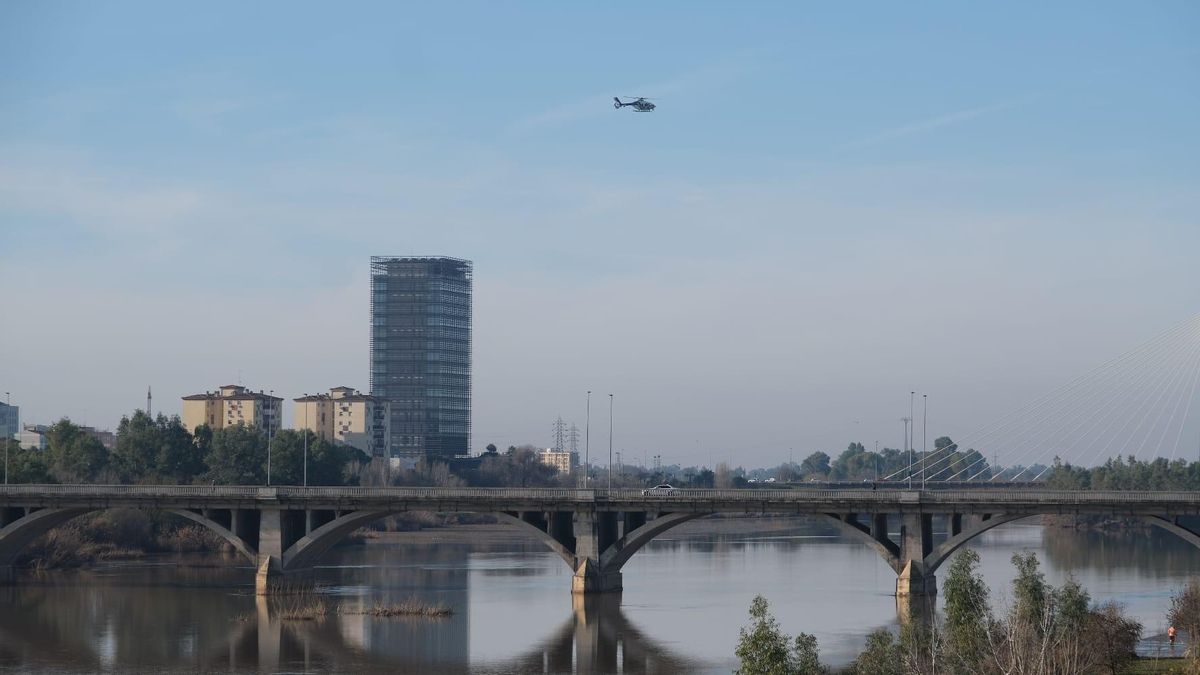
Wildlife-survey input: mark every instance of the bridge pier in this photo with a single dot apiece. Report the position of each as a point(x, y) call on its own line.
point(271, 578)
point(595, 532)
point(914, 580)
point(916, 543)
point(8, 575)
point(275, 536)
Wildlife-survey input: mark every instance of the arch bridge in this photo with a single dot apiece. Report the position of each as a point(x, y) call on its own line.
point(283, 531)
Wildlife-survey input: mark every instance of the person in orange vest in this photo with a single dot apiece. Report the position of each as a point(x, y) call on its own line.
point(1171, 635)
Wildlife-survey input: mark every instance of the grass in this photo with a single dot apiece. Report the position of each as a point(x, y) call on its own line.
point(307, 605)
point(1159, 666)
point(411, 607)
point(310, 611)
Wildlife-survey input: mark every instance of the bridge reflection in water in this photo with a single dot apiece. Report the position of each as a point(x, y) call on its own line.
point(596, 637)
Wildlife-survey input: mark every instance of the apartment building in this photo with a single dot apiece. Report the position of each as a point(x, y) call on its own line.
point(345, 416)
point(231, 405)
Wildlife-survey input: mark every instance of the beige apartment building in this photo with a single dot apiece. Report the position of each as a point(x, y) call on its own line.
point(346, 416)
point(231, 405)
point(564, 461)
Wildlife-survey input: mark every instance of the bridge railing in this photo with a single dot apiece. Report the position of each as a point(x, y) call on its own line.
point(744, 496)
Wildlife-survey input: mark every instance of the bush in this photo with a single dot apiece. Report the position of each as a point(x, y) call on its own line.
point(763, 649)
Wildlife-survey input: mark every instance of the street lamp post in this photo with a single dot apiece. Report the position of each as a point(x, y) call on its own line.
point(910, 435)
point(587, 441)
point(306, 441)
point(7, 402)
point(924, 437)
point(610, 429)
point(270, 423)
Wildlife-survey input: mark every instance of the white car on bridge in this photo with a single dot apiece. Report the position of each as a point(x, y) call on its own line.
point(663, 490)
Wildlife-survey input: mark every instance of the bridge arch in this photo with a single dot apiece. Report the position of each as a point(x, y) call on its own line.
point(620, 551)
point(886, 549)
point(309, 548)
point(553, 544)
point(240, 545)
point(22, 531)
point(15, 537)
point(947, 548)
point(305, 552)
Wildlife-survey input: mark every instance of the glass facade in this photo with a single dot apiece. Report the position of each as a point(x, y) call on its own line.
point(421, 353)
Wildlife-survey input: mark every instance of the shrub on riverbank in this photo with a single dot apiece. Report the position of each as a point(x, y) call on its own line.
point(116, 534)
point(1045, 630)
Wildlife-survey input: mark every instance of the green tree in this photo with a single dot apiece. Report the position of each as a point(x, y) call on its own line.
point(815, 465)
point(330, 463)
point(237, 455)
point(155, 451)
point(519, 467)
point(1072, 602)
point(74, 456)
point(967, 614)
point(808, 656)
point(26, 465)
point(763, 649)
point(327, 463)
point(882, 655)
point(854, 462)
point(1030, 591)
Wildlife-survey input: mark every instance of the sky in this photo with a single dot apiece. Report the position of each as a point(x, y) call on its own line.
point(833, 205)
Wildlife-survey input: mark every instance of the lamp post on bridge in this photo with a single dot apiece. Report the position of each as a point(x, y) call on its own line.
point(270, 423)
point(7, 402)
point(909, 429)
point(610, 429)
point(587, 441)
point(306, 441)
point(924, 437)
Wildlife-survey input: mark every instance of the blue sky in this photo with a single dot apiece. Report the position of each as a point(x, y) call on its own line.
point(832, 205)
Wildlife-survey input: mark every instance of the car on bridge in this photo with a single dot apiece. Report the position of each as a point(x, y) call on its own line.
point(663, 490)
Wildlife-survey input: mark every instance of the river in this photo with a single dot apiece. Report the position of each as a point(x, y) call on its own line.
point(686, 595)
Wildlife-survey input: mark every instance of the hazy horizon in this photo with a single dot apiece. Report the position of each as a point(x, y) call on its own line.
point(831, 207)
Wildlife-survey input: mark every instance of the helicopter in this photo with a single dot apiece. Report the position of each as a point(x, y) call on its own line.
point(639, 104)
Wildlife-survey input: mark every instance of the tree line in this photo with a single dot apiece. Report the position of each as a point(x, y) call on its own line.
point(1127, 473)
point(160, 450)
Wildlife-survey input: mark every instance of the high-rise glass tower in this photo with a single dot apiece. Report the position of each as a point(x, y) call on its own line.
point(421, 353)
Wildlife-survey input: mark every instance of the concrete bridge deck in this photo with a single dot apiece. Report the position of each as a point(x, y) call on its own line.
point(284, 530)
point(800, 500)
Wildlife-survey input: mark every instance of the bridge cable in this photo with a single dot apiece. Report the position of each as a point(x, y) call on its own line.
point(1162, 383)
point(1120, 433)
point(1171, 379)
point(1173, 388)
point(1106, 411)
point(1183, 381)
point(1132, 362)
point(1186, 413)
point(1119, 362)
point(1134, 359)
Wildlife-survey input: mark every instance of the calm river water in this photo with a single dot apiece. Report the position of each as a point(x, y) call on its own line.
point(685, 597)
